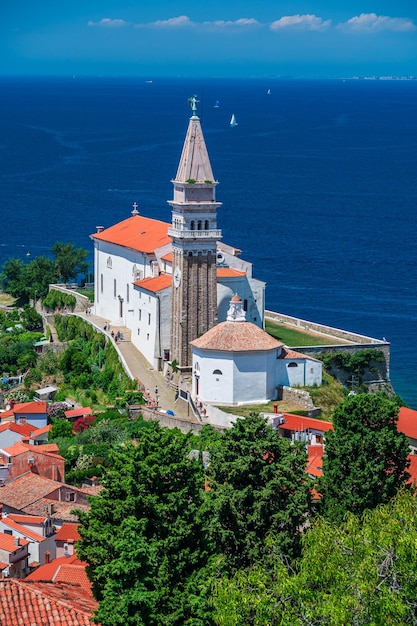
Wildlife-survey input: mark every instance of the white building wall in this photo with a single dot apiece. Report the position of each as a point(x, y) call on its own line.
point(145, 323)
point(212, 387)
point(299, 372)
point(252, 293)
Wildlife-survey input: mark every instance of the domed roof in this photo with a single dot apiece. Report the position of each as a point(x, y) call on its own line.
point(232, 337)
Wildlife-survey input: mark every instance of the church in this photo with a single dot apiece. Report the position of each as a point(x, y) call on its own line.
point(170, 283)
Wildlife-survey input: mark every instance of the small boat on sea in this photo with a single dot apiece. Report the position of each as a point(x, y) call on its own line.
point(268, 92)
point(217, 105)
point(233, 121)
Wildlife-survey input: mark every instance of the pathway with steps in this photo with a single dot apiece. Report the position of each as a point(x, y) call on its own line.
point(138, 367)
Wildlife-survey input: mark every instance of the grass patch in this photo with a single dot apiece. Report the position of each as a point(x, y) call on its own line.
point(246, 409)
point(291, 336)
point(6, 299)
point(86, 292)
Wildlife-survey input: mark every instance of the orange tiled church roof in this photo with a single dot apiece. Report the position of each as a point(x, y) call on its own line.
point(138, 233)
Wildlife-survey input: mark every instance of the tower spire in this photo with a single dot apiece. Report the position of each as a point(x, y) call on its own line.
point(194, 235)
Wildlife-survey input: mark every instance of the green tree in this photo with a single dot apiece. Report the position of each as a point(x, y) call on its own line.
point(31, 319)
point(366, 457)
point(258, 487)
point(361, 572)
point(61, 428)
point(143, 537)
point(69, 261)
point(11, 277)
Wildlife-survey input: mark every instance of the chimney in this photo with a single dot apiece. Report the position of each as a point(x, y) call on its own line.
point(47, 557)
point(16, 541)
point(55, 473)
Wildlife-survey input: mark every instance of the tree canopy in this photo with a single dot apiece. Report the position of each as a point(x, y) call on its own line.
point(361, 572)
point(143, 537)
point(257, 489)
point(366, 457)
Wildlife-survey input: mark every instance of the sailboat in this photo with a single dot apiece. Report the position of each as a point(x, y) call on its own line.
point(217, 105)
point(233, 121)
point(268, 92)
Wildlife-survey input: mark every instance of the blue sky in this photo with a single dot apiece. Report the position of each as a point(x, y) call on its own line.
point(212, 38)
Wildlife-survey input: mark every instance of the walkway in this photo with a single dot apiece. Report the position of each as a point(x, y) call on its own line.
point(135, 363)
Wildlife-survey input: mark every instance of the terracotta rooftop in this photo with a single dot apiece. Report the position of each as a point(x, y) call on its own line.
point(50, 449)
point(412, 470)
point(68, 532)
point(44, 604)
point(287, 353)
point(163, 281)
point(228, 272)
point(139, 233)
point(8, 521)
point(236, 337)
point(80, 412)
point(7, 543)
point(60, 510)
point(30, 407)
point(25, 430)
point(298, 423)
point(41, 431)
point(315, 461)
point(407, 422)
point(27, 519)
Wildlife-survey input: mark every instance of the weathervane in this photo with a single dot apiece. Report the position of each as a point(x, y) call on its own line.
point(192, 102)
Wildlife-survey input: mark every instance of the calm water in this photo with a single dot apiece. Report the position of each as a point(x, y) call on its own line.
point(318, 183)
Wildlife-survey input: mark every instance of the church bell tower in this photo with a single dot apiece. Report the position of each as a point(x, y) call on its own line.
point(194, 235)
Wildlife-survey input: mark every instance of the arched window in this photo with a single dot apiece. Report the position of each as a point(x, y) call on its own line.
point(192, 225)
point(206, 225)
point(199, 225)
point(218, 373)
point(109, 262)
point(292, 364)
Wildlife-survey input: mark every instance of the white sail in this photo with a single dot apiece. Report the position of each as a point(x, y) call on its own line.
point(233, 121)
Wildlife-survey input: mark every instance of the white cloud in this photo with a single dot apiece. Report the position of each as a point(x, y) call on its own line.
point(107, 22)
point(242, 22)
point(371, 22)
point(301, 22)
point(172, 22)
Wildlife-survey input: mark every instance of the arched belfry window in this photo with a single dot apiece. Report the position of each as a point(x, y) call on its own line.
point(199, 225)
point(192, 225)
point(206, 225)
point(217, 373)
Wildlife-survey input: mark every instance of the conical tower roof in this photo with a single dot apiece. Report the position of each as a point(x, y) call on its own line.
point(194, 162)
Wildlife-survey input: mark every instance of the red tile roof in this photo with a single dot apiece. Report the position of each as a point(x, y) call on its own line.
point(25, 430)
point(50, 449)
point(298, 423)
point(68, 532)
point(66, 569)
point(7, 543)
point(163, 281)
point(228, 272)
point(27, 519)
point(412, 470)
point(22, 529)
point(315, 460)
point(167, 257)
point(30, 407)
point(44, 604)
point(407, 422)
point(139, 233)
point(236, 337)
point(80, 412)
point(41, 431)
point(287, 353)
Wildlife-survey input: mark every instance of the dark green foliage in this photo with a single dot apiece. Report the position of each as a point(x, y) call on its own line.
point(61, 428)
point(366, 458)
point(356, 364)
point(143, 537)
point(69, 261)
point(362, 572)
point(258, 488)
point(56, 299)
point(31, 319)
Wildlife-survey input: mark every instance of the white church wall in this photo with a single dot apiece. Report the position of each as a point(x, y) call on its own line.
point(250, 291)
point(299, 372)
point(212, 376)
point(116, 268)
point(145, 324)
point(250, 378)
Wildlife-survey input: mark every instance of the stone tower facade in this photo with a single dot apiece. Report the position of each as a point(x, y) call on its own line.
point(194, 235)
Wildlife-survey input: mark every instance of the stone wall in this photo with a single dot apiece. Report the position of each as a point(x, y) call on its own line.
point(83, 302)
point(298, 397)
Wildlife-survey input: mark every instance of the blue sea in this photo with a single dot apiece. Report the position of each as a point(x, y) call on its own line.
point(318, 182)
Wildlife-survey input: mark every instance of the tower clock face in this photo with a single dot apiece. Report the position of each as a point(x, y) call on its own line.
point(177, 277)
